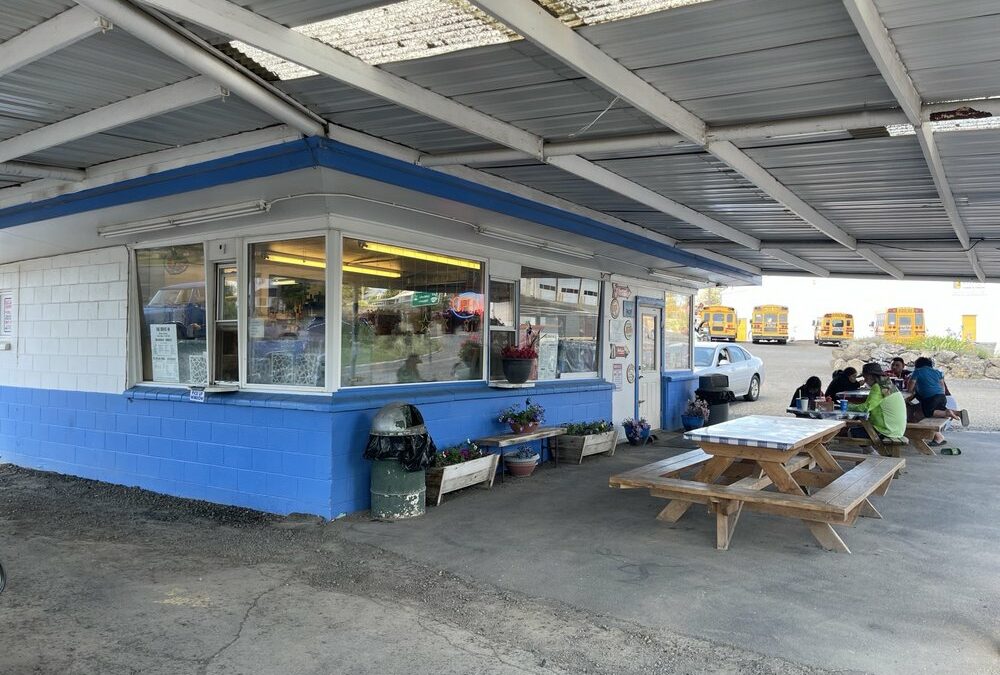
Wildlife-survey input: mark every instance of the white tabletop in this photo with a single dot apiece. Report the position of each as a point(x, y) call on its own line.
point(761, 431)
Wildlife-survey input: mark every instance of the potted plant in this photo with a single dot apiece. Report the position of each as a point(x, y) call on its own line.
point(457, 467)
point(523, 420)
point(470, 352)
point(517, 360)
point(636, 431)
point(695, 414)
point(522, 462)
point(586, 438)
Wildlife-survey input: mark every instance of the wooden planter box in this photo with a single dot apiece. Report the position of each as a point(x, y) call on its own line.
point(578, 447)
point(444, 479)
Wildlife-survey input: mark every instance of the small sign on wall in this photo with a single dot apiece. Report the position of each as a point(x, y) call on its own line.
point(616, 376)
point(7, 310)
point(163, 339)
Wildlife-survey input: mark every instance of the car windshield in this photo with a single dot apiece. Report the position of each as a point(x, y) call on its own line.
point(165, 297)
point(703, 356)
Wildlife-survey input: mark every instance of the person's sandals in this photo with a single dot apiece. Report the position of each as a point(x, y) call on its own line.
point(964, 415)
point(937, 444)
point(951, 451)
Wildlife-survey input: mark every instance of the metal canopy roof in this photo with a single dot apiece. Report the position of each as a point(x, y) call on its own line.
point(749, 129)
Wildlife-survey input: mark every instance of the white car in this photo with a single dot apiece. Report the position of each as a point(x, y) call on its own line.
point(745, 371)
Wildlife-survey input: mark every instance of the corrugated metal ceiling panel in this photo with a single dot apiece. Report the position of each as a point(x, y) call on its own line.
point(299, 12)
point(899, 13)
point(94, 72)
point(93, 150)
point(972, 162)
point(873, 188)
point(203, 122)
point(17, 16)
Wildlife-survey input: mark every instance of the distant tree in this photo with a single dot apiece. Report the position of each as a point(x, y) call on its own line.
point(709, 296)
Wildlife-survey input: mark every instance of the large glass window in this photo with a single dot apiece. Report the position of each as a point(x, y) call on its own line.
point(172, 295)
point(286, 333)
point(566, 312)
point(409, 315)
point(677, 331)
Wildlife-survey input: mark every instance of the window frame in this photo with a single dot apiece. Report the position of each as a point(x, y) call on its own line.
point(515, 329)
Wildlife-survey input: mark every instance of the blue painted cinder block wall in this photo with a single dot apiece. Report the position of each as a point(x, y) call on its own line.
point(277, 453)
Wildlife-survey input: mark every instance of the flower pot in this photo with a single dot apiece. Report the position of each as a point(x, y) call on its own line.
point(517, 371)
point(637, 435)
point(692, 422)
point(519, 428)
point(520, 468)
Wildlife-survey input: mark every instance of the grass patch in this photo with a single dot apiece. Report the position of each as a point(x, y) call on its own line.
point(939, 343)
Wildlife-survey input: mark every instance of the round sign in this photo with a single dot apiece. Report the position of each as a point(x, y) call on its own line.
point(630, 373)
point(628, 330)
point(616, 308)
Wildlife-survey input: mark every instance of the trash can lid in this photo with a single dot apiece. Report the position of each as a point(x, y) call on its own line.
point(715, 381)
point(398, 432)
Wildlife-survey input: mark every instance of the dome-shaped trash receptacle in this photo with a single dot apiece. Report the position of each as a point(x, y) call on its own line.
point(400, 449)
point(714, 389)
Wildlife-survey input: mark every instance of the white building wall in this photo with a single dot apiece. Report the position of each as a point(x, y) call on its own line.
point(70, 331)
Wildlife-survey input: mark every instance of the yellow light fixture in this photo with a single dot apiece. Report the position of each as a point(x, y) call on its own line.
point(372, 271)
point(420, 255)
point(295, 260)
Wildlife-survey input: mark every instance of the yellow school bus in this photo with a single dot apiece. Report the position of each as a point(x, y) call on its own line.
point(900, 323)
point(719, 322)
point(770, 322)
point(834, 328)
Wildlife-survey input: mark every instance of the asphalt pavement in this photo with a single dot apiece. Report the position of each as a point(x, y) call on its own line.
point(786, 367)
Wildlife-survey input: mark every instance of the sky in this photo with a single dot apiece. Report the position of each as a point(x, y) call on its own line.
point(809, 298)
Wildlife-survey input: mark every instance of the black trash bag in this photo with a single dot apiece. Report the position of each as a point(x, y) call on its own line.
point(398, 432)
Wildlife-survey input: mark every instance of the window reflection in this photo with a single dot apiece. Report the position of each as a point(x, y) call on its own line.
point(286, 335)
point(172, 293)
point(409, 316)
point(677, 331)
point(565, 310)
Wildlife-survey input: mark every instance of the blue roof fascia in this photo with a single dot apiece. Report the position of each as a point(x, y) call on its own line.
point(316, 151)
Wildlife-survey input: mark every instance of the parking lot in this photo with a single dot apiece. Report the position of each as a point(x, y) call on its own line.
point(788, 366)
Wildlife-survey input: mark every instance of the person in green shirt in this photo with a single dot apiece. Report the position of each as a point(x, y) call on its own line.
point(885, 405)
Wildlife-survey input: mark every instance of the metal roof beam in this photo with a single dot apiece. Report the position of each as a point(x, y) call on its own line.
point(796, 261)
point(705, 252)
point(879, 262)
point(168, 41)
point(226, 18)
point(49, 36)
point(153, 103)
point(41, 171)
point(876, 38)
point(562, 42)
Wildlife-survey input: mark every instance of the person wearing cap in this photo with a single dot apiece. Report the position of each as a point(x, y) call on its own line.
point(885, 405)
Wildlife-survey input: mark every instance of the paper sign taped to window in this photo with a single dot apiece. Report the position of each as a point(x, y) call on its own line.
point(163, 348)
point(7, 315)
point(616, 376)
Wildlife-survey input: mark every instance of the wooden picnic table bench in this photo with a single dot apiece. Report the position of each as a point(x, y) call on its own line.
point(918, 434)
point(740, 458)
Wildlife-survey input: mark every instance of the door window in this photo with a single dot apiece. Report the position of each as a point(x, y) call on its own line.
point(227, 351)
point(723, 357)
point(649, 341)
point(736, 354)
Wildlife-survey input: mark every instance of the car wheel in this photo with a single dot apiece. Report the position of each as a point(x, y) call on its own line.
point(754, 392)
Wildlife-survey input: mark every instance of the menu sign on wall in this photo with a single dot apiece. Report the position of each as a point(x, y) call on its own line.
point(6, 315)
point(163, 339)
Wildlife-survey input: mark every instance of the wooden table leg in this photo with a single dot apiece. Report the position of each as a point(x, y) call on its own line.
point(823, 532)
point(726, 515)
point(920, 444)
point(708, 473)
point(874, 437)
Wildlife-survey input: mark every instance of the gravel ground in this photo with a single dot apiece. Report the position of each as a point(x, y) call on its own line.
point(108, 579)
point(787, 366)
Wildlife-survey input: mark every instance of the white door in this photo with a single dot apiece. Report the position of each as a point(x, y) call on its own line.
point(648, 360)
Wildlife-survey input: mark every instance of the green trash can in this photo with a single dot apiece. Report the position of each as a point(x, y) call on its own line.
point(396, 493)
point(400, 449)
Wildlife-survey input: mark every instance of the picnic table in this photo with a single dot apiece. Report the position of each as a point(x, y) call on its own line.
point(738, 459)
point(851, 415)
point(502, 441)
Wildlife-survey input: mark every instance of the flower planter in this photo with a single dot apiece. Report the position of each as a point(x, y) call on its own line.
point(517, 371)
point(690, 422)
point(518, 467)
point(577, 447)
point(444, 479)
point(523, 428)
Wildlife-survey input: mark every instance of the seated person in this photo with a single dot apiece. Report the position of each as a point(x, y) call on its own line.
point(927, 382)
point(843, 380)
point(885, 405)
point(812, 390)
point(897, 369)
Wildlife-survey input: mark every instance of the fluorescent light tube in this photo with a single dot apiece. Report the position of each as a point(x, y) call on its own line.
point(188, 218)
point(371, 271)
point(420, 255)
point(294, 260)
